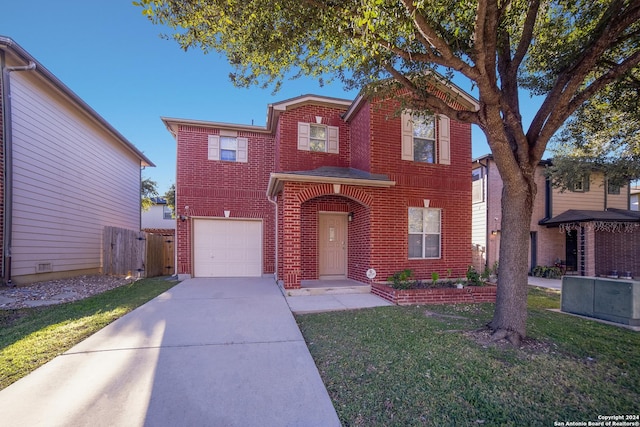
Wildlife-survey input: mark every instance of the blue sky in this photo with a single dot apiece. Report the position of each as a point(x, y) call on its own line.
point(113, 58)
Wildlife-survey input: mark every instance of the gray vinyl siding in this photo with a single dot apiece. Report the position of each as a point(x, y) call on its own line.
point(71, 178)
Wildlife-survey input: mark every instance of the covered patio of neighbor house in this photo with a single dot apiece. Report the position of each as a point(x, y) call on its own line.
point(601, 243)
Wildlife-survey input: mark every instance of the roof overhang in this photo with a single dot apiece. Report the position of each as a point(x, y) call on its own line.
point(277, 181)
point(9, 46)
point(440, 83)
point(575, 216)
point(273, 111)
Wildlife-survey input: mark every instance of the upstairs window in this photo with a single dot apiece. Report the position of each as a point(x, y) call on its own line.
point(613, 188)
point(318, 138)
point(228, 148)
point(581, 186)
point(426, 139)
point(424, 233)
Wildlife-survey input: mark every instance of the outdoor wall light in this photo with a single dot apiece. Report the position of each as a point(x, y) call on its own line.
point(183, 218)
point(350, 216)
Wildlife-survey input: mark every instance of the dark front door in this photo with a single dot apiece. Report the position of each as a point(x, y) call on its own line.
point(572, 250)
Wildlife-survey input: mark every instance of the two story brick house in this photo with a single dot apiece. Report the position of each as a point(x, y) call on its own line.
point(328, 189)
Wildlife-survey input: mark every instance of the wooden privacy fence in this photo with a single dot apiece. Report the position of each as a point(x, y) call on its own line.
point(136, 253)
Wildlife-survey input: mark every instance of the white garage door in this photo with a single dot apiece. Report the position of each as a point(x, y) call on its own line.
point(227, 248)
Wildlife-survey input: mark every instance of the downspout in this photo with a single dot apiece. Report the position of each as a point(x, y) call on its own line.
point(8, 164)
point(275, 205)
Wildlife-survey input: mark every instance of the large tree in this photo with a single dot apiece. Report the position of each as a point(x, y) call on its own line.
point(148, 190)
point(566, 51)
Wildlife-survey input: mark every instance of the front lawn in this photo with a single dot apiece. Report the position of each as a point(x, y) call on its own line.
point(432, 365)
point(30, 337)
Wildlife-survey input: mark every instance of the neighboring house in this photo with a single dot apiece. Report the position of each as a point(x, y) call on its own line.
point(328, 189)
point(587, 230)
point(66, 174)
point(635, 198)
point(159, 218)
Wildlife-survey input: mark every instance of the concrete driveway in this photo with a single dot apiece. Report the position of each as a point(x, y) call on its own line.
point(209, 352)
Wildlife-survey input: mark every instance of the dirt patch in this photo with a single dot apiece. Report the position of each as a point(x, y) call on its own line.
point(529, 345)
point(58, 291)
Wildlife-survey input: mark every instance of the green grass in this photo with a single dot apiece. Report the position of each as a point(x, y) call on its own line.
point(31, 337)
point(397, 366)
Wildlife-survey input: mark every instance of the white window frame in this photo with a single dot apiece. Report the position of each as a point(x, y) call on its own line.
point(581, 186)
point(215, 147)
point(442, 145)
point(428, 121)
point(331, 138)
point(424, 233)
point(167, 212)
point(477, 185)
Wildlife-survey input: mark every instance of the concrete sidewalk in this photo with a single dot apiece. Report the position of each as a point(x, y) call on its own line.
point(209, 352)
point(545, 283)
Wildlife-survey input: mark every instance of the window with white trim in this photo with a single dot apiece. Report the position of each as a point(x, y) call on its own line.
point(167, 212)
point(228, 148)
point(582, 185)
point(318, 138)
point(424, 233)
point(426, 139)
point(477, 186)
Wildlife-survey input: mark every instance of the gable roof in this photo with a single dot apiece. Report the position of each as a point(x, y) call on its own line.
point(447, 87)
point(10, 46)
point(273, 112)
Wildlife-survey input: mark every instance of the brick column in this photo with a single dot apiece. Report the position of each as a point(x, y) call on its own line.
point(590, 251)
point(291, 241)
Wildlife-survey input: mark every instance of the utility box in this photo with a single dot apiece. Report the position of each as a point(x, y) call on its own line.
point(608, 299)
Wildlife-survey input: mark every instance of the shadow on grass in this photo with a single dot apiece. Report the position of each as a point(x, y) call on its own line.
point(421, 365)
point(30, 337)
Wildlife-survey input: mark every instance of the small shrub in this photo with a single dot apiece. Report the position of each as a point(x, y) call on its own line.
point(434, 278)
point(473, 277)
point(401, 279)
point(547, 272)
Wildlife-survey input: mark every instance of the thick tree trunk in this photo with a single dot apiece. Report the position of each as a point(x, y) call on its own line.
point(510, 315)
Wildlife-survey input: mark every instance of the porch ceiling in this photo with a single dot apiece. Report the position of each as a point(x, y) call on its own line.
point(331, 175)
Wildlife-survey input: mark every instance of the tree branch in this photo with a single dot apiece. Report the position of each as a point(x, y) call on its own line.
point(432, 38)
point(614, 21)
point(527, 35)
point(431, 101)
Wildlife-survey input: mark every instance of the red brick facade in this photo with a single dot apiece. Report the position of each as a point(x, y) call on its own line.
point(370, 143)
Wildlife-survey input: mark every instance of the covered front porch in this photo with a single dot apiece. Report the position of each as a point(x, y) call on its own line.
point(324, 220)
